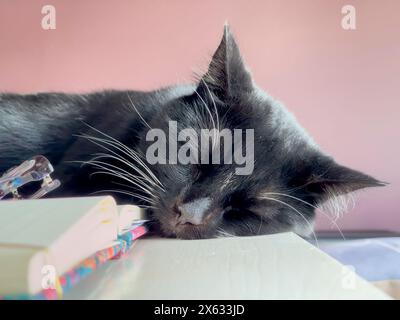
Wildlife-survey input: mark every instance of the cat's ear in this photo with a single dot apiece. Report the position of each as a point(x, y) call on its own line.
point(227, 75)
point(332, 179)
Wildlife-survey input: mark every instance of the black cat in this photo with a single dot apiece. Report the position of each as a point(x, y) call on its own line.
point(97, 143)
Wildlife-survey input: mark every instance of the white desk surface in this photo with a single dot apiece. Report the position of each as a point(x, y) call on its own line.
point(281, 266)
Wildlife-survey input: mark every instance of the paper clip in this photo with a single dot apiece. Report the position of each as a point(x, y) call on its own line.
point(36, 169)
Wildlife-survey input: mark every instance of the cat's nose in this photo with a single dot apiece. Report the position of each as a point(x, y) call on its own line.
point(193, 212)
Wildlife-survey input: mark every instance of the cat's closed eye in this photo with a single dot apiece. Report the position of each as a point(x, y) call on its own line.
point(236, 214)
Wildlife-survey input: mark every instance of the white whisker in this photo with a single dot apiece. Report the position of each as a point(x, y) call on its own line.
point(125, 150)
point(143, 177)
point(137, 111)
point(213, 101)
point(107, 166)
point(126, 193)
point(215, 131)
point(299, 213)
point(338, 204)
point(312, 206)
point(261, 223)
point(223, 233)
point(108, 142)
point(129, 151)
point(95, 162)
point(119, 175)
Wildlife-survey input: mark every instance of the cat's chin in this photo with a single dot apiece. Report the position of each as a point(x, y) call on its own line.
point(190, 232)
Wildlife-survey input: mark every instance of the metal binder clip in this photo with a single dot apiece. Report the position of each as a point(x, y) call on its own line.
point(36, 169)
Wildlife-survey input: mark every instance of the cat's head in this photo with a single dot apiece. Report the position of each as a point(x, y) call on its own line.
point(287, 178)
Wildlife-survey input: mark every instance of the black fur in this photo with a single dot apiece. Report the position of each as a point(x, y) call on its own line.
point(287, 165)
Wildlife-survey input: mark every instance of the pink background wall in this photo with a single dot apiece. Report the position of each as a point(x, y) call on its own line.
point(343, 86)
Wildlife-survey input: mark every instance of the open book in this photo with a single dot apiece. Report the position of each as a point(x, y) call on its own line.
point(36, 234)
